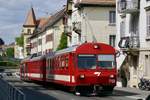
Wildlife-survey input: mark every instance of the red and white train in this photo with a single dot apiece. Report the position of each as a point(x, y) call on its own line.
point(90, 67)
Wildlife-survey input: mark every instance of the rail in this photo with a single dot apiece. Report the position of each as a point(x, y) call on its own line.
point(9, 92)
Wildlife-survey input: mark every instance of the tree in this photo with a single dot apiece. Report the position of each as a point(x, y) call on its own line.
point(20, 40)
point(10, 52)
point(1, 42)
point(63, 42)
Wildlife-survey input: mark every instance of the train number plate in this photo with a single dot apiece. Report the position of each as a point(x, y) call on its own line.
point(97, 73)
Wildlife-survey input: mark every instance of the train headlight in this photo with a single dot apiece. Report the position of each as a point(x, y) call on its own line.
point(112, 76)
point(96, 46)
point(82, 76)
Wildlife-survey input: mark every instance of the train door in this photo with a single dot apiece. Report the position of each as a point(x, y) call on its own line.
point(44, 69)
point(21, 71)
point(72, 69)
point(25, 71)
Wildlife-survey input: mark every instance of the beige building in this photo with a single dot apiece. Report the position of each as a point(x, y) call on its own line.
point(18, 52)
point(92, 21)
point(47, 38)
point(27, 30)
point(133, 36)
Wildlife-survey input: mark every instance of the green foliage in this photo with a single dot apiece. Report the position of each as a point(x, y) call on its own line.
point(8, 64)
point(1, 58)
point(1, 42)
point(63, 42)
point(20, 40)
point(10, 52)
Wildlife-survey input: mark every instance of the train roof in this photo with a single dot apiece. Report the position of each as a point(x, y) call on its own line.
point(37, 58)
point(87, 47)
point(26, 59)
point(70, 49)
point(33, 58)
point(63, 51)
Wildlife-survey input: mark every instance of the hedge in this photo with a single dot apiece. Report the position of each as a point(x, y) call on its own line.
point(6, 63)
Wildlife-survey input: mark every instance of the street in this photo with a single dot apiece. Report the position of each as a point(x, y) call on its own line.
point(35, 91)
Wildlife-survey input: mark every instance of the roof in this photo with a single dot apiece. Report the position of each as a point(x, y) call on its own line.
point(56, 17)
point(42, 21)
point(49, 22)
point(31, 19)
point(96, 2)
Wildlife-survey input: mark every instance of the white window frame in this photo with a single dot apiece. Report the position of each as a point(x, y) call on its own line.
point(148, 23)
point(112, 17)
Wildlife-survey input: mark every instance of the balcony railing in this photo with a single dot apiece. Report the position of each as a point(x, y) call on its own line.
point(131, 42)
point(128, 6)
point(134, 41)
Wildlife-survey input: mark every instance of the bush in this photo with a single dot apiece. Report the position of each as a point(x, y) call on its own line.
point(3, 63)
point(10, 52)
point(6, 63)
point(63, 42)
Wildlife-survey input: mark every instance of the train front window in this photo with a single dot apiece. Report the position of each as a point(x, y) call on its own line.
point(87, 61)
point(106, 61)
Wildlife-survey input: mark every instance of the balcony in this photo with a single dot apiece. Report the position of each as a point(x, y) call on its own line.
point(131, 42)
point(77, 27)
point(134, 42)
point(131, 6)
point(68, 30)
point(130, 45)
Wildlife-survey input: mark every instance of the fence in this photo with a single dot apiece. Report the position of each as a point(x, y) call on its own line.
point(8, 92)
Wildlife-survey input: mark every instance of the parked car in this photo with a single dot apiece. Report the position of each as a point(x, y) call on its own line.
point(1, 76)
point(8, 73)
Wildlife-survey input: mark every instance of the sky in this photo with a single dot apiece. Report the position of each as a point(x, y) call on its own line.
point(13, 14)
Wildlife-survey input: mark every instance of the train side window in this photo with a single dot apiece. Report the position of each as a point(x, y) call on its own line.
point(66, 62)
point(59, 62)
point(59, 67)
point(63, 62)
point(54, 63)
point(49, 64)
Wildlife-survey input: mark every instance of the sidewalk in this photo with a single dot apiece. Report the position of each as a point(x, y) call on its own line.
point(133, 93)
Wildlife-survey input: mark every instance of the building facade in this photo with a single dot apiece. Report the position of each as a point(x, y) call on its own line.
point(133, 20)
point(18, 52)
point(27, 30)
point(91, 21)
point(47, 38)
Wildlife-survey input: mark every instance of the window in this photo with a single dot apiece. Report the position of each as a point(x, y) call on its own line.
point(34, 44)
point(29, 31)
point(49, 37)
point(106, 61)
point(112, 17)
point(112, 39)
point(66, 62)
point(147, 63)
point(148, 22)
point(40, 42)
point(122, 29)
point(87, 61)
